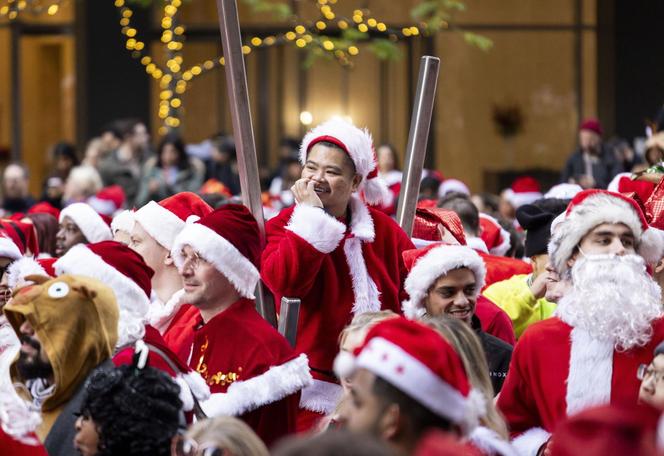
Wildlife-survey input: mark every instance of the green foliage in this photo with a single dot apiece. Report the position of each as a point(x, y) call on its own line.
point(385, 49)
point(279, 10)
point(480, 41)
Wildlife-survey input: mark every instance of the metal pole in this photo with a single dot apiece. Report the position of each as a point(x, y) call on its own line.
point(417, 141)
point(15, 68)
point(238, 99)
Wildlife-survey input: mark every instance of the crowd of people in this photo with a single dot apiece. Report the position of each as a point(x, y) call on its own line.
point(527, 323)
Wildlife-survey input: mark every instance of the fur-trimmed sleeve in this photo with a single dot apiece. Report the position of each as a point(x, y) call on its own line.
point(298, 241)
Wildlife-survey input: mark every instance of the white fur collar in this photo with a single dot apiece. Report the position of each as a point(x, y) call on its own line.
point(361, 226)
point(161, 314)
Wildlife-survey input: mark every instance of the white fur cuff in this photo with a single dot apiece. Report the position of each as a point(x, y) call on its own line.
point(530, 441)
point(318, 228)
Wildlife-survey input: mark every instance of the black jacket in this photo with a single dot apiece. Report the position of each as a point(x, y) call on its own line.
point(498, 355)
point(603, 171)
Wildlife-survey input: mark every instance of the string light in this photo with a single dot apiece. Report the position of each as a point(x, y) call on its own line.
point(11, 8)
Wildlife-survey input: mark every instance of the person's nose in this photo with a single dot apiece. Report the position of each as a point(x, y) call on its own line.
point(617, 247)
point(460, 299)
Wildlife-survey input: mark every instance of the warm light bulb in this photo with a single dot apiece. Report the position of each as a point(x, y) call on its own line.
point(306, 118)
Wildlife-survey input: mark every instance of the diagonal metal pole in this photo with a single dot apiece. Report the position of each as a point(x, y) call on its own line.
point(418, 137)
point(238, 98)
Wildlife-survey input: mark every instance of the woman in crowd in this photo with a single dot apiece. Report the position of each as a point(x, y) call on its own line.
point(170, 172)
point(219, 436)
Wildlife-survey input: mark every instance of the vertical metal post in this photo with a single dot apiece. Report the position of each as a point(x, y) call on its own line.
point(15, 68)
point(238, 99)
point(417, 141)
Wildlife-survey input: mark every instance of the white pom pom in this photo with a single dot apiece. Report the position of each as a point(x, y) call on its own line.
point(197, 385)
point(344, 364)
point(376, 192)
point(185, 394)
point(652, 245)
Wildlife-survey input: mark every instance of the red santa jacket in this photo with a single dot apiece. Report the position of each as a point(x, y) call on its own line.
point(337, 271)
point(251, 370)
point(180, 332)
point(499, 268)
point(558, 370)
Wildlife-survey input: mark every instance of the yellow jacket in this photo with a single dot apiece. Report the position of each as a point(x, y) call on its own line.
point(514, 297)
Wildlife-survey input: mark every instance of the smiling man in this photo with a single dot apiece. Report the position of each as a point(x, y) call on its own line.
point(340, 257)
point(446, 280)
point(607, 323)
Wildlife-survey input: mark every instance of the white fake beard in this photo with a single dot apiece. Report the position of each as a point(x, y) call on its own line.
point(612, 298)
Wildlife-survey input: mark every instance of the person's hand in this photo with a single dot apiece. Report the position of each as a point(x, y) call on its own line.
point(304, 193)
point(538, 286)
point(655, 178)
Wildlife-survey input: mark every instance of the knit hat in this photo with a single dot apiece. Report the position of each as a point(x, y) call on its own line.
point(228, 238)
point(117, 266)
point(426, 226)
point(591, 208)
point(91, 224)
point(563, 191)
point(108, 200)
point(537, 223)
point(524, 190)
point(359, 147)
point(420, 363)
point(496, 238)
point(164, 220)
point(591, 124)
point(428, 264)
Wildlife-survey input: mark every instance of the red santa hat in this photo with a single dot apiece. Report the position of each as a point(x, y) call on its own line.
point(91, 224)
point(9, 245)
point(115, 264)
point(591, 208)
point(22, 235)
point(359, 147)
point(591, 124)
point(428, 264)
point(496, 238)
point(229, 239)
point(108, 200)
point(164, 220)
point(420, 363)
point(123, 221)
point(623, 183)
point(20, 269)
point(452, 185)
point(427, 223)
point(524, 190)
point(45, 208)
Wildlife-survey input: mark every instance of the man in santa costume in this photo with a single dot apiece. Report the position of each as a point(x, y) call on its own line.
point(434, 225)
point(446, 280)
point(252, 371)
point(129, 277)
point(155, 228)
point(80, 224)
point(332, 251)
point(406, 380)
point(524, 190)
point(605, 326)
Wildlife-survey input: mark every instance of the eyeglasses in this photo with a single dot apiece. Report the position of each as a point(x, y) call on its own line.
point(193, 261)
point(189, 447)
point(646, 372)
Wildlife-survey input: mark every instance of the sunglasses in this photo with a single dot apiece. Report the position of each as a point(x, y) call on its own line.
point(189, 447)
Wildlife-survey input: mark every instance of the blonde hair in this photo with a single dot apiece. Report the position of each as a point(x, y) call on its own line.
point(230, 434)
point(364, 321)
point(86, 180)
point(469, 348)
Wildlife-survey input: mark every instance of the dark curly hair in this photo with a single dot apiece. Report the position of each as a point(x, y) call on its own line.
point(135, 411)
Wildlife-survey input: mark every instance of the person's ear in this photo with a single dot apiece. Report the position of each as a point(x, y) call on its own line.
point(357, 180)
point(168, 261)
point(659, 267)
point(389, 424)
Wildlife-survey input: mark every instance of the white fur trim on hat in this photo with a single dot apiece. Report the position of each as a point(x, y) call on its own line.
point(489, 442)
point(275, 384)
point(519, 199)
point(591, 212)
point(8, 249)
point(436, 263)
point(88, 221)
point(160, 223)
point(21, 268)
point(221, 253)
point(131, 299)
point(123, 221)
point(396, 366)
point(505, 241)
point(317, 227)
point(563, 191)
point(359, 144)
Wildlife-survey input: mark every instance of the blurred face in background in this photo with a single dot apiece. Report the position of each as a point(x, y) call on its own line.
point(15, 182)
point(589, 141)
